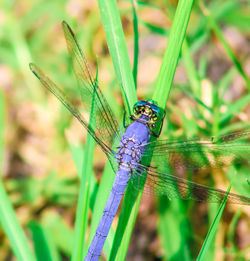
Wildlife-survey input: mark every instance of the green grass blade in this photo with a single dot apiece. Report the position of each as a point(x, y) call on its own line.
point(61, 232)
point(131, 203)
point(136, 43)
point(224, 82)
point(192, 74)
point(213, 24)
point(232, 228)
point(13, 229)
point(44, 246)
point(21, 50)
point(81, 221)
point(213, 229)
point(154, 28)
point(8, 219)
point(174, 229)
point(77, 152)
point(242, 21)
point(118, 50)
point(171, 56)
point(235, 108)
point(84, 195)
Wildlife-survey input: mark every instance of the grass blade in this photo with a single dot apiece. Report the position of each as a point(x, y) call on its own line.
point(192, 74)
point(118, 50)
point(229, 51)
point(44, 246)
point(84, 195)
point(213, 229)
point(8, 219)
point(174, 230)
point(13, 229)
point(171, 56)
point(164, 82)
point(136, 43)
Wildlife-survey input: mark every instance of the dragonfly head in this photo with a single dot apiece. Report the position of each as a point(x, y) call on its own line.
point(150, 112)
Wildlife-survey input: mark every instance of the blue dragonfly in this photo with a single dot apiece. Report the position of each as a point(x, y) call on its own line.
point(170, 159)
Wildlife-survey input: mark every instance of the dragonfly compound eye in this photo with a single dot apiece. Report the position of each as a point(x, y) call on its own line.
point(154, 117)
point(136, 110)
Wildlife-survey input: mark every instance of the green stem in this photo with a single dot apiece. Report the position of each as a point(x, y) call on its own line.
point(118, 50)
point(13, 229)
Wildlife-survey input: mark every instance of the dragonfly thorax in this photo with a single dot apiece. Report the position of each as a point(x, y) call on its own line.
point(129, 153)
point(133, 144)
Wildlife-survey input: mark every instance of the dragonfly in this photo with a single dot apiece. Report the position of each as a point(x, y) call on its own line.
point(168, 157)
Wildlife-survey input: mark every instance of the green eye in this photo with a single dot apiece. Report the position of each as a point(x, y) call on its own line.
point(154, 117)
point(136, 110)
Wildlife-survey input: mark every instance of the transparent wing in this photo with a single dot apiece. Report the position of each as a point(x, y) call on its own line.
point(195, 154)
point(67, 102)
point(175, 187)
point(175, 166)
point(106, 126)
point(85, 98)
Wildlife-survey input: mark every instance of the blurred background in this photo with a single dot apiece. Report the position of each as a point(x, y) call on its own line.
point(37, 166)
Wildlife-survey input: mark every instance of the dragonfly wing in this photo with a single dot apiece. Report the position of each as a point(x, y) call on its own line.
point(86, 99)
point(196, 155)
point(106, 126)
point(172, 186)
point(175, 162)
point(70, 105)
